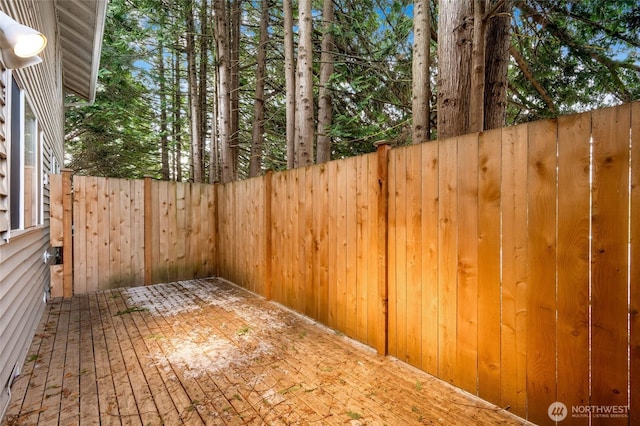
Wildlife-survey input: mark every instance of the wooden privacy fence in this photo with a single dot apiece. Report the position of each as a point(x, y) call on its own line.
point(129, 232)
point(505, 262)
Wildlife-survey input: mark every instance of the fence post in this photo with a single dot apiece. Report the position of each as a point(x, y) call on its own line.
point(268, 177)
point(383, 149)
point(67, 234)
point(148, 211)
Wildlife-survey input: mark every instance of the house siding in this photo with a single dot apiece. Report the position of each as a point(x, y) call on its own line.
point(24, 276)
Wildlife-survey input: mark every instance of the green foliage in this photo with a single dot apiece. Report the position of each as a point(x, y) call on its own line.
point(115, 135)
point(585, 54)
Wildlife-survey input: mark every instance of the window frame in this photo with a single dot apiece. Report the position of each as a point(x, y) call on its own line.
point(16, 129)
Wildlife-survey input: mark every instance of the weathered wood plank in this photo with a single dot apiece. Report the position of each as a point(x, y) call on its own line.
point(429, 227)
point(126, 230)
point(341, 247)
point(513, 333)
point(67, 230)
point(574, 134)
point(542, 246)
point(447, 260)
point(115, 244)
point(104, 257)
point(401, 253)
point(375, 308)
point(467, 213)
point(634, 282)
point(392, 244)
point(56, 211)
point(81, 228)
point(351, 299)
point(89, 412)
point(310, 299)
point(609, 268)
point(414, 281)
point(332, 243)
point(362, 236)
point(489, 262)
point(92, 242)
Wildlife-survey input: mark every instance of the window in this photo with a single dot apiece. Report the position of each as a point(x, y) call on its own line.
point(26, 168)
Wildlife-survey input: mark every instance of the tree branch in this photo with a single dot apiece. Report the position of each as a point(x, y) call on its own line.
point(528, 74)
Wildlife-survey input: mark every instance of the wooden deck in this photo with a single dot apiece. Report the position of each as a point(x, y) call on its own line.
point(208, 352)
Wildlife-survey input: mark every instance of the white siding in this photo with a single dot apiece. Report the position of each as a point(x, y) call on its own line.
point(23, 274)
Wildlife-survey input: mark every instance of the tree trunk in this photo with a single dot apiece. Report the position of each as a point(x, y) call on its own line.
point(214, 153)
point(196, 162)
point(454, 67)
point(421, 89)
point(496, 67)
point(224, 103)
point(476, 101)
point(203, 76)
point(325, 98)
point(257, 131)
point(164, 133)
point(234, 88)
point(290, 83)
point(304, 91)
point(177, 117)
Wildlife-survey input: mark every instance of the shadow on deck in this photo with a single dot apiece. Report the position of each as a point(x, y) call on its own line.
point(208, 352)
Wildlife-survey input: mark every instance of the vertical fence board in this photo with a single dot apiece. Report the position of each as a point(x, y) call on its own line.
point(392, 306)
point(104, 258)
point(173, 233)
point(181, 223)
point(489, 283)
point(513, 331)
point(351, 299)
point(541, 326)
point(610, 262)
point(81, 228)
point(126, 232)
point(341, 248)
point(56, 212)
point(634, 278)
point(67, 231)
point(467, 273)
point(294, 232)
point(115, 275)
point(322, 244)
point(332, 244)
point(574, 134)
point(374, 307)
point(362, 266)
point(447, 259)
point(137, 252)
point(380, 185)
point(400, 259)
point(276, 237)
point(413, 223)
point(164, 232)
point(429, 228)
point(309, 296)
point(197, 229)
point(92, 252)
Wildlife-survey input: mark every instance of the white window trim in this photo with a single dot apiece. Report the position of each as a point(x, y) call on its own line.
point(24, 99)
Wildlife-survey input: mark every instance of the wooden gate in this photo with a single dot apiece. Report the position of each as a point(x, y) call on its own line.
point(119, 232)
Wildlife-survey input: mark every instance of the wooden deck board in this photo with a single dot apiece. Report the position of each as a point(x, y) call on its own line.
point(208, 352)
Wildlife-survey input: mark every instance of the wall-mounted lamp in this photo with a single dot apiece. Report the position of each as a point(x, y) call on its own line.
point(19, 44)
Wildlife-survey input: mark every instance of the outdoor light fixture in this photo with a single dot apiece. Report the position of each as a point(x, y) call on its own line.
point(19, 44)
